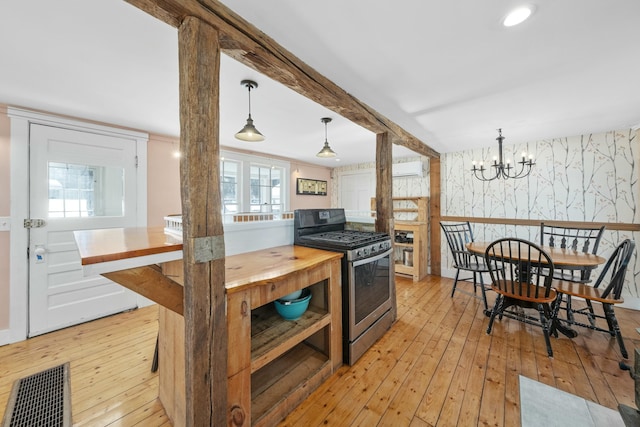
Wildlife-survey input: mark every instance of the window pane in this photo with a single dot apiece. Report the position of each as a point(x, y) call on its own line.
point(85, 191)
point(229, 185)
point(275, 187)
point(260, 187)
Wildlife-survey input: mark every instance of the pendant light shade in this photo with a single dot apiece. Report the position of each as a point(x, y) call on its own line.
point(249, 132)
point(326, 150)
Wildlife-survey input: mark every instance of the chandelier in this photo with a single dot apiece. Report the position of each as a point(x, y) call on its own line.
point(501, 168)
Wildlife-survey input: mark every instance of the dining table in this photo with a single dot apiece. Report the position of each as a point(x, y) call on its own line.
point(561, 257)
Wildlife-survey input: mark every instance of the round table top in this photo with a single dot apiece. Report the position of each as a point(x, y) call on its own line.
point(559, 256)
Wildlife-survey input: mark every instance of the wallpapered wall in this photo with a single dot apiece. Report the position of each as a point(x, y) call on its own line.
point(590, 178)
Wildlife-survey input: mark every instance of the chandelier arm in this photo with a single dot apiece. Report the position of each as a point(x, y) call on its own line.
point(482, 176)
point(523, 172)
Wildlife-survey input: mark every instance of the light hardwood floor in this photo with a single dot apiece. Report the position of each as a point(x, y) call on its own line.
point(436, 366)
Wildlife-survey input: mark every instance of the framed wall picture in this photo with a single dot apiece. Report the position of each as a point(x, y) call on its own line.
point(313, 187)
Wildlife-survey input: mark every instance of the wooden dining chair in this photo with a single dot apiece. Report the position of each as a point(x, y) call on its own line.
point(606, 291)
point(583, 239)
point(458, 235)
point(518, 279)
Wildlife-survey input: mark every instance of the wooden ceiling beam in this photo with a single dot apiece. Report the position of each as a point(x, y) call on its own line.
point(245, 43)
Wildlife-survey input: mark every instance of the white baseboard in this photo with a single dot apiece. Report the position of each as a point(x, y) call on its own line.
point(5, 337)
point(632, 303)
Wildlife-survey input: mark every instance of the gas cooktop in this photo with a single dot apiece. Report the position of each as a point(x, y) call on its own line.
point(345, 238)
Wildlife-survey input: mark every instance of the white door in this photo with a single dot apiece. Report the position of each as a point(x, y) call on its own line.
point(356, 191)
point(78, 181)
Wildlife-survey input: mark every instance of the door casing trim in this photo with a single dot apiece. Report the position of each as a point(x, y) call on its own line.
point(20, 121)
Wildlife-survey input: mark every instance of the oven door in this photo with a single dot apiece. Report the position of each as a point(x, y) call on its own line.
point(369, 292)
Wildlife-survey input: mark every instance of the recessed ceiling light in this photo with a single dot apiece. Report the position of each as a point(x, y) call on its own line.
point(517, 16)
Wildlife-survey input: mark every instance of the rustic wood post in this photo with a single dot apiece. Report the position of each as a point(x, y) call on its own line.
point(384, 197)
point(203, 240)
point(434, 215)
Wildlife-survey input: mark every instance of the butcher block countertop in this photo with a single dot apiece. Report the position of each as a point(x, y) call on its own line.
point(263, 266)
point(114, 244)
point(120, 248)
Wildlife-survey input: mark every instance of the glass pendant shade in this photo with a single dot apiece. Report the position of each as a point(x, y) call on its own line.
point(326, 150)
point(249, 132)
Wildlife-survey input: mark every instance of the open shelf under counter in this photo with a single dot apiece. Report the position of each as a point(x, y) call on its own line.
point(275, 389)
point(272, 336)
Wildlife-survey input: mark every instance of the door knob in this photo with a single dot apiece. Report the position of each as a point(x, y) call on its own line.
point(39, 252)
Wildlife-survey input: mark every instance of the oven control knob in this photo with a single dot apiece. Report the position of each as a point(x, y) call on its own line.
point(373, 248)
point(358, 253)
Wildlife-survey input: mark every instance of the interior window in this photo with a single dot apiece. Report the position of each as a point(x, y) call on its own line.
point(85, 191)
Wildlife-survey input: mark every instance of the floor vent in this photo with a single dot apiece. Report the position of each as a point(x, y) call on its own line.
point(42, 399)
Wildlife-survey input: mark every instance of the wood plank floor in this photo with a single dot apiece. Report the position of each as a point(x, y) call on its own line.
point(435, 367)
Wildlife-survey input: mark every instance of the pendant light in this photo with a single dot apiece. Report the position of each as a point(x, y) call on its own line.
point(326, 150)
point(249, 132)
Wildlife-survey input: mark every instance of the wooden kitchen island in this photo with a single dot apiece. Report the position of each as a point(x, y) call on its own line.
point(273, 364)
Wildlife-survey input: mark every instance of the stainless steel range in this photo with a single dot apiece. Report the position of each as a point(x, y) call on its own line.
point(367, 281)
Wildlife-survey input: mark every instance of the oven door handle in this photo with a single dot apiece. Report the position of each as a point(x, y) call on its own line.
point(371, 259)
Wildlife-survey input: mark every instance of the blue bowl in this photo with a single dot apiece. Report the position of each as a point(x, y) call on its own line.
point(292, 296)
point(293, 309)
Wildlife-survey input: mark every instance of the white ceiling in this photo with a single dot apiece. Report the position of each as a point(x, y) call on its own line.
point(447, 72)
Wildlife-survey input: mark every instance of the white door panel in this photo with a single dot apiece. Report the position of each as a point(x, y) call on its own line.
point(78, 181)
point(356, 191)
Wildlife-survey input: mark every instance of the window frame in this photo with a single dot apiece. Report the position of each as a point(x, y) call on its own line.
point(244, 179)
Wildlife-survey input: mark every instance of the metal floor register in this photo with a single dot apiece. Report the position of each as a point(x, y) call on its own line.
point(42, 399)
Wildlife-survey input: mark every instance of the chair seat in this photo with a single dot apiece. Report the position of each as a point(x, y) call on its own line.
point(541, 299)
point(584, 291)
point(571, 275)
